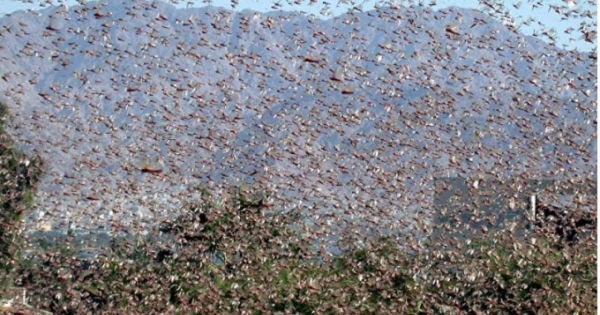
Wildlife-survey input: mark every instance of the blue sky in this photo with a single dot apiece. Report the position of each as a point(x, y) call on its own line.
point(520, 11)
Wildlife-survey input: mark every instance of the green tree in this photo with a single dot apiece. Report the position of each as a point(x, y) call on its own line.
point(18, 177)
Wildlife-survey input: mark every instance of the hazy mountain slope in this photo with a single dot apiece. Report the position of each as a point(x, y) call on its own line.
point(357, 111)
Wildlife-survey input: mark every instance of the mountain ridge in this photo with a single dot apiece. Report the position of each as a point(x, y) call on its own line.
point(343, 112)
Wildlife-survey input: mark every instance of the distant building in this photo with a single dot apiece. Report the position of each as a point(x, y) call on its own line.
point(469, 208)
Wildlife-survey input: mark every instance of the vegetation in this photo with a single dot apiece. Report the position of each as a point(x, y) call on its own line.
point(240, 256)
point(18, 174)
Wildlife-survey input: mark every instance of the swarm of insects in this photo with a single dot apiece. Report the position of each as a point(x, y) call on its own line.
point(303, 157)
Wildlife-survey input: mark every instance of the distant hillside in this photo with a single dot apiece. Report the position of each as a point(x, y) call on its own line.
point(357, 113)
